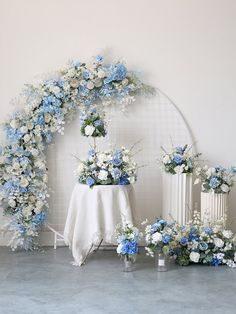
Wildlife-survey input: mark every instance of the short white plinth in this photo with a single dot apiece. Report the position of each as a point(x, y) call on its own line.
point(213, 206)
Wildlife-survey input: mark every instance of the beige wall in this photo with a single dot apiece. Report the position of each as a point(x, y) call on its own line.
point(185, 47)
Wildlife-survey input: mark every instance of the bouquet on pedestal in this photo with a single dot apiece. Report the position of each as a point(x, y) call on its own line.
point(179, 160)
point(111, 167)
point(215, 179)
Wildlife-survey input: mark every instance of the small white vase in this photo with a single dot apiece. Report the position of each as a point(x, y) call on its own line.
point(213, 206)
point(177, 197)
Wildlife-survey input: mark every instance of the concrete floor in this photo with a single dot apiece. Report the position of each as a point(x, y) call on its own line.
point(46, 282)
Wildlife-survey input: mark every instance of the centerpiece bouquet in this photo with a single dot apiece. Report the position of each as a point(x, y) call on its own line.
point(200, 243)
point(111, 167)
point(215, 179)
point(128, 236)
point(179, 160)
point(158, 237)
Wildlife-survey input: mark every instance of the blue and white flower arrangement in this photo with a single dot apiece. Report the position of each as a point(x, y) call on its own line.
point(111, 167)
point(179, 160)
point(158, 237)
point(215, 179)
point(197, 242)
point(47, 106)
point(128, 237)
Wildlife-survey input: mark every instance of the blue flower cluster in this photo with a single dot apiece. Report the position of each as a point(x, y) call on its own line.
point(127, 239)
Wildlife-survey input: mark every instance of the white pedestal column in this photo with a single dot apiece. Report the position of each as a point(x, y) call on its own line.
point(177, 197)
point(213, 206)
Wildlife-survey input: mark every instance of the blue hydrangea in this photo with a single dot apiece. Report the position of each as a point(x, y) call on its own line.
point(184, 241)
point(166, 238)
point(129, 247)
point(117, 72)
point(123, 180)
point(216, 261)
point(214, 182)
point(99, 58)
point(208, 230)
point(98, 123)
point(86, 75)
point(116, 173)
point(178, 159)
point(116, 162)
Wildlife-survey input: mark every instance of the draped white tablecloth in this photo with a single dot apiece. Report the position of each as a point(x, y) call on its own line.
point(93, 215)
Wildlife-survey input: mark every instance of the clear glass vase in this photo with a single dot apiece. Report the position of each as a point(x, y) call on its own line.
point(128, 264)
point(160, 261)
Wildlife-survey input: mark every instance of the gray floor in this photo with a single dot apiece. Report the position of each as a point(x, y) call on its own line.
point(46, 282)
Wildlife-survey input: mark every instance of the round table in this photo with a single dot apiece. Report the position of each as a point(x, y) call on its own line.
point(93, 215)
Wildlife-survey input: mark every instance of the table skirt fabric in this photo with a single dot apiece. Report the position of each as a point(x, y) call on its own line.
point(93, 215)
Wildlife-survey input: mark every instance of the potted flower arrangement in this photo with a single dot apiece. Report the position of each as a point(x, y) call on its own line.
point(178, 166)
point(128, 236)
point(159, 235)
point(216, 183)
point(111, 167)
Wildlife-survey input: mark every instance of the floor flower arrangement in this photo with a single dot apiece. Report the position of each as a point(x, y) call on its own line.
point(196, 242)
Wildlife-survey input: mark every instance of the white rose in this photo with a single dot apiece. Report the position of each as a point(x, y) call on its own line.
point(45, 178)
point(227, 234)
point(34, 152)
point(80, 168)
point(24, 129)
point(101, 74)
point(194, 257)
point(179, 169)
point(12, 203)
point(102, 175)
point(2, 160)
point(166, 159)
point(132, 180)
point(74, 83)
point(47, 117)
point(24, 182)
point(197, 181)
point(90, 85)
point(101, 157)
point(98, 82)
point(126, 158)
point(156, 237)
point(27, 138)
point(89, 129)
point(27, 211)
point(14, 124)
point(225, 188)
point(30, 125)
point(218, 242)
point(16, 166)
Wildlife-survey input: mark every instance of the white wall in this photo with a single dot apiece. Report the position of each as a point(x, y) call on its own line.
point(185, 47)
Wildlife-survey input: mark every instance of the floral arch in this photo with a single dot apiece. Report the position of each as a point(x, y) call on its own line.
point(88, 88)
